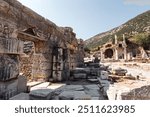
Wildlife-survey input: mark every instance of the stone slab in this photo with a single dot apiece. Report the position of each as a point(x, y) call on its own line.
point(80, 76)
point(74, 87)
point(22, 84)
point(66, 95)
point(8, 89)
point(104, 75)
point(95, 98)
point(91, 87)
point(81, 95)
point(40, 86)
point(41, 94)
point(9, 67)
point(104, 83)
point(31, 84)
point(93, 93)
point(21, 96)
point(74, 95)
point(56, 86)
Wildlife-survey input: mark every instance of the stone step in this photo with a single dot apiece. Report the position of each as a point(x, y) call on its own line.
point(74, 95)
point(41, 94)
point(40, 86)
point(21, 96)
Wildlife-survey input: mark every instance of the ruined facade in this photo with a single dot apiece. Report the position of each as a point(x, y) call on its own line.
point(122, 50)
point(34, 47)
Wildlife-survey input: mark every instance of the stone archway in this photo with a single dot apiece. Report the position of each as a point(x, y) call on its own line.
point(108, 53)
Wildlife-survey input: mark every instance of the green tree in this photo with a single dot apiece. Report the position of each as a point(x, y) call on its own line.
point(86, 49)
point(142, 39)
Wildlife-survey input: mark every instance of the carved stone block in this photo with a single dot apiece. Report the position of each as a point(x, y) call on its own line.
point(9, 67)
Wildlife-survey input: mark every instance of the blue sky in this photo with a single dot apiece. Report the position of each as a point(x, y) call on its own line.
point(88, 17)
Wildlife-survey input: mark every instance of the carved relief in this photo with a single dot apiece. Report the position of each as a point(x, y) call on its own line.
point(6, 31)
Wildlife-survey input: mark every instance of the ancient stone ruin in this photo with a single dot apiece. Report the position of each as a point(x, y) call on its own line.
point(42, 61)
point(33, 48)
point(122, 50)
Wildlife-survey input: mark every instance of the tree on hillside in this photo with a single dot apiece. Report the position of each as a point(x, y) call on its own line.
point(142, 39)
point(86, 49)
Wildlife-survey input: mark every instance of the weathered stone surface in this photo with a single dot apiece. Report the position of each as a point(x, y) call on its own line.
point(22, 84)
point(43, 85)
point(21, 96)
point(9, 67)
point(66, 95)
point(8, 89)
point(104, 75)
point(142, 93)
point(93, 93)
point(90, 87)
point(80, 76)
point(11, 46)
point(105, 83)
point(81, 95)
point(74, 95)
point(41, 94)
point(74, 87)
point(49, 45)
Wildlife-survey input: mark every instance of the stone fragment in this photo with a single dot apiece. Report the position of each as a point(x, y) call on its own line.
point(43, 85)
point(21, 96)
point(74, 87)
point(104, 75)
point(80, 76)
point(41, 94)
point(8, 89)
point(91, 87)
point(74, 95)
point(22, 84)
point(93, 93)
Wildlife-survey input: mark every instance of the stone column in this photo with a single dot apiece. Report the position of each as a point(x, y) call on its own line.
point(125, 53)
point(116, 54)
point(102, 55)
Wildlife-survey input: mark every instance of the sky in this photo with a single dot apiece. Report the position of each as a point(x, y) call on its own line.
point(88, 17)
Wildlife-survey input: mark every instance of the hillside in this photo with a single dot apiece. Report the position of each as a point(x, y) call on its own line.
point(139, 24)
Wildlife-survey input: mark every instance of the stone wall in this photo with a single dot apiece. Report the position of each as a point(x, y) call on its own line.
point(142, 93)
point(39, 59)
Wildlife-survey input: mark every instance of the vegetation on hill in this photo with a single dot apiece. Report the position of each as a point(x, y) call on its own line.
point(142, 39)
point(139, 24)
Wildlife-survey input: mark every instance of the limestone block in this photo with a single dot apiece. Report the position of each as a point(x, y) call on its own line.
point(74, 87)
point(11, 46)
point(93, 93)
point(74, 95)
point(66, 95)
point(43, 85)
point(104, 83)
point(91, 87)
point(141, 93)
point(104, 75)
point(22, 84)
point(81, 95)
point(9, 67)
point(8, 89)
point(80, 76)
point(41, 94)
point(21, 96)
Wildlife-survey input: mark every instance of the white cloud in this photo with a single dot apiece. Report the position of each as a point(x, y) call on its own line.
point(138, 2)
